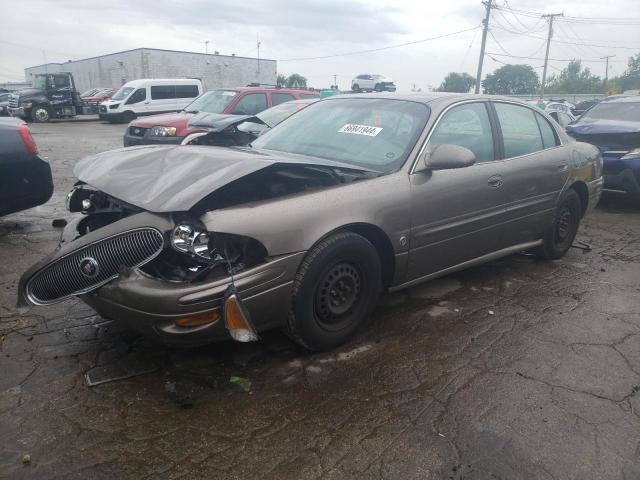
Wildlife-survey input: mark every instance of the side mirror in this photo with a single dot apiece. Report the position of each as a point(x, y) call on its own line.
point(447, 156)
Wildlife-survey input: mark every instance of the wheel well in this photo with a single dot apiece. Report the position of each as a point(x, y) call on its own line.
point(382, 244)
point(583, 193)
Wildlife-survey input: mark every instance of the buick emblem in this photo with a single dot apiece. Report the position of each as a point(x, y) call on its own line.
point(89, 267)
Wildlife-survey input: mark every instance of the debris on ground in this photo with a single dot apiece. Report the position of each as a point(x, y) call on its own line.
point(26, 459)
point(490, 312)
point(245, 383)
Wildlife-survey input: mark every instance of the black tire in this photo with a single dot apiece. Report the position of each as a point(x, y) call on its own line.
point(128, 117)
point(39, 114)
point(560, 235)
point(335, 289)
point(355, 87)
point(377, 87)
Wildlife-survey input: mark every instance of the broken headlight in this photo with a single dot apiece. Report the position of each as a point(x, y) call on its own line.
point(191, 239)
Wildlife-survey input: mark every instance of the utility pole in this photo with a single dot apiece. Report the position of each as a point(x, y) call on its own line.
point(258, 47)
point(335, 80)
point(550, 16)
point(206, 47)
point(485, 28)
point(606, 72)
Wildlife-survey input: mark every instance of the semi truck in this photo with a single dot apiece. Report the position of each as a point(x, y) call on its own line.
point(52, 95)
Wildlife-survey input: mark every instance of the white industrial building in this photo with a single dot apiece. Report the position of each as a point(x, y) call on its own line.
point(115, 69)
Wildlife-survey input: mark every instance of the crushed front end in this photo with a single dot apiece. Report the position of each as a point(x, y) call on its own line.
point(162, 274)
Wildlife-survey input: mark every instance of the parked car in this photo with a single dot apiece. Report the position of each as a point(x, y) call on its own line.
point(25, 177)
point(174, 127)
point(367, 82)
point(613, 125)
point(351, 195)
point(4, 104)
point(222, 130)
point(583, 106)
point(149, 96)
point(563, 118)
point(98, 95)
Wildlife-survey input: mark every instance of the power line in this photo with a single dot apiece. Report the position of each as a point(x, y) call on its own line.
point(498, 43)
point(568, 43)
point(575, 19)
point(371, 50)
point(540, 58)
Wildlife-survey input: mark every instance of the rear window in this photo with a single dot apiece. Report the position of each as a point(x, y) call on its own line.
point(187, 91)
point(160, 92)
point(626, 111)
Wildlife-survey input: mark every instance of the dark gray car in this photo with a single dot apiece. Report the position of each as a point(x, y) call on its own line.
point(302, 231)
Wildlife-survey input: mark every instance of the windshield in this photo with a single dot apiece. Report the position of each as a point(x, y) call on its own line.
point(629, 112)
point(274, 115)
point(211, 102)
point(122, 93)
point(90, 92)
point(40, 82)
point(377, 134)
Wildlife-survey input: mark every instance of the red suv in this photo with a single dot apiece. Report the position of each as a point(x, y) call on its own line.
point(171, 128)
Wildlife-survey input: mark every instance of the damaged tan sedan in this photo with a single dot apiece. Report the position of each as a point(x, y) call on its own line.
point(304, 228)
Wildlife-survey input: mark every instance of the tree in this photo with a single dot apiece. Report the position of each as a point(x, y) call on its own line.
point(295, 80)
point(457, 82)
point(281, 79)
point(574, 79)
point(511, 80)
point(630, 79)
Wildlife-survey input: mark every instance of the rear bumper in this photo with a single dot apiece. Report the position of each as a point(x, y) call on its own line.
point(38, 187)
point(132, 140)
point(152, 306)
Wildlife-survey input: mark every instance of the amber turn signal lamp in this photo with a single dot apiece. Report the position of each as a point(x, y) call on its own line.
point(198, 320)
point(236, 318)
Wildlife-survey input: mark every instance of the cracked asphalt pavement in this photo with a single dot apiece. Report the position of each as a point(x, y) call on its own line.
point(518, 369)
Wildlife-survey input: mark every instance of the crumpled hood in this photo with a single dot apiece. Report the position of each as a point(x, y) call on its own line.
point(160, 178)
point(592, 127)
point(216, 122)
point(176, 119)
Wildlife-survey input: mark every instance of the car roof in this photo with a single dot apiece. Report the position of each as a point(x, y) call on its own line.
point(428, 98)
point(625, 99)
point(162, 81)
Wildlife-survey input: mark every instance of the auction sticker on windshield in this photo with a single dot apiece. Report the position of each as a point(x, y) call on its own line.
point(360, 130)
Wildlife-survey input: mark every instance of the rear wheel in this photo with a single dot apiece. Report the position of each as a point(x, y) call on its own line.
point(334, 291)
point(560, 235)
point(39, 114)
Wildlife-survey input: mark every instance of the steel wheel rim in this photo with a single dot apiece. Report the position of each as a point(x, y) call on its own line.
point(41, 114)
point(338, 293)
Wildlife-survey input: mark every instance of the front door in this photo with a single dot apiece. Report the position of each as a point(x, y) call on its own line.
point(457, 214)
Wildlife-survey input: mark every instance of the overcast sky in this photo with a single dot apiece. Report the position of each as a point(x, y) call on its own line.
point(58, 30)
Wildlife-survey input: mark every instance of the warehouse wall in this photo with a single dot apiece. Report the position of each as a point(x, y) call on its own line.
point(116, 69)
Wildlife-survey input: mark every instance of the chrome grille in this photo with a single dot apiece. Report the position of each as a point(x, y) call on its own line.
point(13, 101)
point(63, 277)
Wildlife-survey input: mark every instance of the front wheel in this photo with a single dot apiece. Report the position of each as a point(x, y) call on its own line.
point(334, 291)
point(355, 87)
point(39, 114)
point(128, 117)
point(560, 235)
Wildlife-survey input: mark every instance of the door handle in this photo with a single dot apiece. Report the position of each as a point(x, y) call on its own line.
point(495, 181)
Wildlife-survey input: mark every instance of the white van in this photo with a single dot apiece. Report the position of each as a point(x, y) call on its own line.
point(149, 96)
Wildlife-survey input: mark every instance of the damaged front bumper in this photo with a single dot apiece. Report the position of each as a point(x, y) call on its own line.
point(179, 313)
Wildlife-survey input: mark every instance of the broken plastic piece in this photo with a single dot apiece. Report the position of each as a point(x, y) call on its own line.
point(245, 383)
point(198, 320)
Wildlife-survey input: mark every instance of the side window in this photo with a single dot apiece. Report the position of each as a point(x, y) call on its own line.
point(162, 92)
point(520, 130)
point(138, 96)
point(564, 119)
point(468, 126)
point(278, 98)
point(251, 104)
point(548, 136)
point(186, 91)
point(61, 81)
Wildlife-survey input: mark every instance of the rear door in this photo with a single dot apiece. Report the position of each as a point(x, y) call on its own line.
point(536, 169)
point(279, 97)
point(250, 104)
point(457, 214)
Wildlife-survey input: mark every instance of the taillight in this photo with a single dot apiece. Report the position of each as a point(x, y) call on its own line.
point(29, 142)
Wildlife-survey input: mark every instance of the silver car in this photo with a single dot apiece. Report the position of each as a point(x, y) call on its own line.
point(304, 228)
